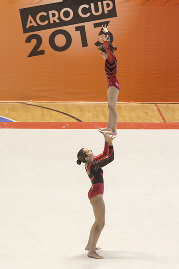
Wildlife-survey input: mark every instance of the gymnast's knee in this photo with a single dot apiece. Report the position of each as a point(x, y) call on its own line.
point(112, 108)
point(101, 224)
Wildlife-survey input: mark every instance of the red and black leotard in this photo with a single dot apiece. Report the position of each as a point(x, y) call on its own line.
point(111, 67)
point(95, 172)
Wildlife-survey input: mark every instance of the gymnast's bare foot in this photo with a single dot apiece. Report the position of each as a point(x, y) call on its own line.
point(104, 130)
point(112, 133)
point(94, 255)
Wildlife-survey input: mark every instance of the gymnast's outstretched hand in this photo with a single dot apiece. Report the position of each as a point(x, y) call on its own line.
point(105, 29)
point(105, 36)
point(108, 137)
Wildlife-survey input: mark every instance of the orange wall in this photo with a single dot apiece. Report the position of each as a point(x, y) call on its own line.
point(147, 37)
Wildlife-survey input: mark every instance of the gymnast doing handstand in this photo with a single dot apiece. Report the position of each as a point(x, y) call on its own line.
point(107, 52)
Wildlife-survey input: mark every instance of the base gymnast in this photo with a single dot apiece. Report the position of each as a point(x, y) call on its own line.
point(107, 52)
point(93, 166)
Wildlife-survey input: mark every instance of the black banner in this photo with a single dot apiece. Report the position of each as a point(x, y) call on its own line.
point(67, 12)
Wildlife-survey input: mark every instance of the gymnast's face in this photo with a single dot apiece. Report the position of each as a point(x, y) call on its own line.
point(104, 55)
point(90, 155)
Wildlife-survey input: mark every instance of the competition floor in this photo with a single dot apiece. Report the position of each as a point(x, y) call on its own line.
point(87, 112)
point(45, 215)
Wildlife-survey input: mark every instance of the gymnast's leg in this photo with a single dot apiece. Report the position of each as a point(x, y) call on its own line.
point(98, 205)
point(112, 95)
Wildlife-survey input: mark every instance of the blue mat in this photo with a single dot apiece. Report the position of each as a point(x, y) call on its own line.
point(3, 119)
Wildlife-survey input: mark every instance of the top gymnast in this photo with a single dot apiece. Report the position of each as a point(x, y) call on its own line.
point(93, 166)
point(107, 52)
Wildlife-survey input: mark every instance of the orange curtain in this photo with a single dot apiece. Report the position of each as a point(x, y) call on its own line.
point(146, 34)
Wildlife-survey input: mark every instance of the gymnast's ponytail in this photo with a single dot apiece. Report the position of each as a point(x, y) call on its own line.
point(78, 162)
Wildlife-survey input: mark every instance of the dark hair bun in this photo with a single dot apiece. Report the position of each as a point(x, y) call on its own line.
point(78, 162)
point(103, 49)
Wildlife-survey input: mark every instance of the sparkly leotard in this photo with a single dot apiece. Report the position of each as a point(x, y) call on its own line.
point(95, 171)
point(111, 67)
